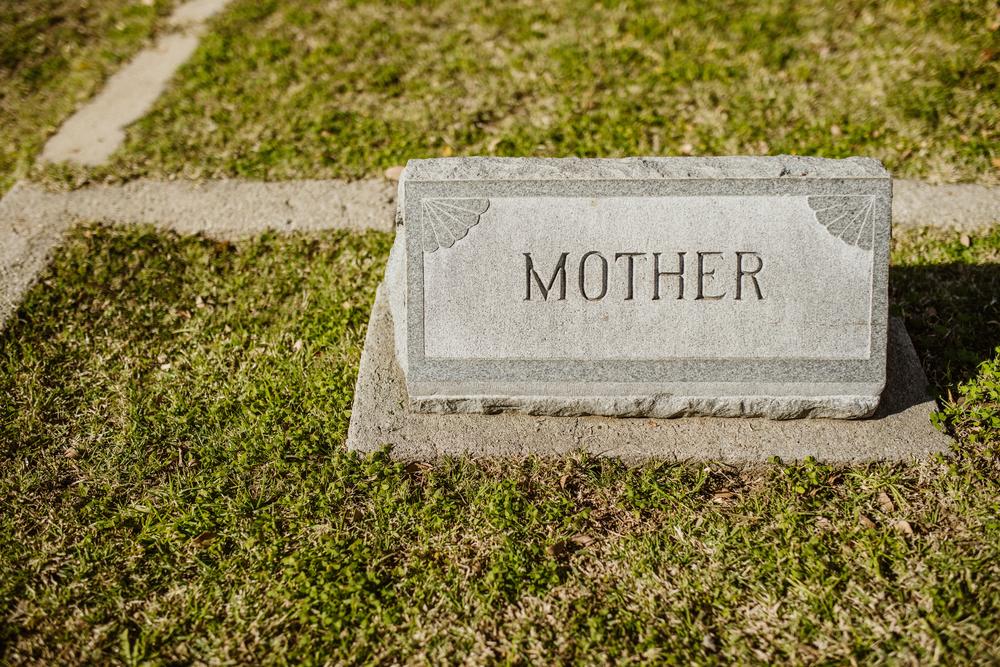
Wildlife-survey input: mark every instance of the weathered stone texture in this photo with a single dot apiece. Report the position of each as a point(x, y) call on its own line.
point(659, 287)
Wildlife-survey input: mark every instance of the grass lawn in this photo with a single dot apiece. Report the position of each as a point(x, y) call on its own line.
point(341, 88)
point(173, 480)
point(55, 54)
point(174, 487)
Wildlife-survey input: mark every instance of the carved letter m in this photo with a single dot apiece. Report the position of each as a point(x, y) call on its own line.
point(559, 273)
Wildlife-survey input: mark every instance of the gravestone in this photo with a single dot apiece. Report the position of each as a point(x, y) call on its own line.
point(645, 287)
point(750, 287)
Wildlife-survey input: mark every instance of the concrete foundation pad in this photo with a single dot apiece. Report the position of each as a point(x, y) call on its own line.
point(900, 430)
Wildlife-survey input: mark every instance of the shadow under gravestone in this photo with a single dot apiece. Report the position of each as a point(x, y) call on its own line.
point(952, 313)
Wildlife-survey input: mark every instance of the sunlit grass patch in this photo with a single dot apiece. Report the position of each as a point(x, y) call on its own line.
point(53, 55)
point(174, 487)
point(312, 88)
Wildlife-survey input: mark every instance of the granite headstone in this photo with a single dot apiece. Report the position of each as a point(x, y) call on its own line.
point(659, 287)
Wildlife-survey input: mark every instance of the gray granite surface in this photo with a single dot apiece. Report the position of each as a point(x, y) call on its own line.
point(645, 286)
point(753, 167)
point(900, 429)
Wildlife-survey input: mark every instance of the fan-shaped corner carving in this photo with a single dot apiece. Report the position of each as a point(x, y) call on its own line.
point(850, 218)
point(445, 221)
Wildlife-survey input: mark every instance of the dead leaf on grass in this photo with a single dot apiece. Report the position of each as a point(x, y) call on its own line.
point(903, 526)
point(557, 548)
point(417, 468)
point(564, 547)
point(724, 497)
point(885, 502)
point(203, 539)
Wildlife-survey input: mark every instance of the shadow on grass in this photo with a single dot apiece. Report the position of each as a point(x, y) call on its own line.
point(952, 313)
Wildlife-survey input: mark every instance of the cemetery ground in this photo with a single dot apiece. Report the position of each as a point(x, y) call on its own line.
point(176, 488)
point(173, 481)
point(320, 89)
point(53, 54)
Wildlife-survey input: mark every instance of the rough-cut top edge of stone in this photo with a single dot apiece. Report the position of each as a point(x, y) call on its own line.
point(634, 168)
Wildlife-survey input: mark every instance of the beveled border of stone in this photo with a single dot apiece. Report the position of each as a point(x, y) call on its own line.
point(724, 176)
point(900, 430)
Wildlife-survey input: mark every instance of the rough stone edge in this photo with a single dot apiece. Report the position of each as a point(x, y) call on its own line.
point(523, 168)
point(900, 430)
point(655, 405)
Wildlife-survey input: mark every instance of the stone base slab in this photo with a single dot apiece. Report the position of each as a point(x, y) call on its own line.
point(900, 430)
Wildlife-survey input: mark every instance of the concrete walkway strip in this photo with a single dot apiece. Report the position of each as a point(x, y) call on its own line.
point(195, 13)
point(235, 209)
point(96, 130)
point(31, 226)
point(964, 206)
point(32, 219)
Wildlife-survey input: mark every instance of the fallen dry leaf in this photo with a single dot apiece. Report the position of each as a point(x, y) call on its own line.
point(417, 468)
point(903, 526)
point(564, 547)
point(885, 502)
point(71, 453)
point(557, 548)
point(723, 497)
point(203, 539)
